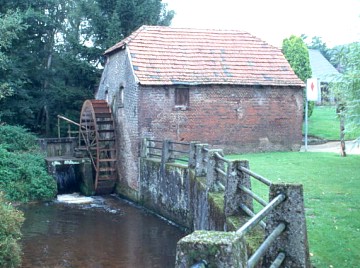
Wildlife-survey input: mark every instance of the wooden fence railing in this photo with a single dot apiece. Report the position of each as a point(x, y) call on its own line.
point(71, 133)
point(168, 151)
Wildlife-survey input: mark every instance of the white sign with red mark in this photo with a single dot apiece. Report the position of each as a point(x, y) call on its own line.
point(312, 89)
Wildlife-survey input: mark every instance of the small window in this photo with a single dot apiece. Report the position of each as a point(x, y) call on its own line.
point(182, 97)
point(107, 96)
point(120, 97)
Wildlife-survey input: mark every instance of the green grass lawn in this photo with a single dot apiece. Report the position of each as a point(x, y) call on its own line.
point(324, 123)
point(332, 200)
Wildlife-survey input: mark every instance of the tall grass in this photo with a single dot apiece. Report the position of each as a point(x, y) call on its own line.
point(332, 200)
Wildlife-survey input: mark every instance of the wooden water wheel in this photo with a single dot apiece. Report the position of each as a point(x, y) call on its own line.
point(97, 136)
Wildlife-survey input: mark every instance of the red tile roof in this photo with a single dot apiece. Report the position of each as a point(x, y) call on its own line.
point(166, 56)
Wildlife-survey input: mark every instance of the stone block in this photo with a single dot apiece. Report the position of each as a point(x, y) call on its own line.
point(216, 249)
point(293, 241)
point(87, 186)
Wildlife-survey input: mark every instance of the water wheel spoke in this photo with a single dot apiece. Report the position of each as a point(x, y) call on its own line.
point(93, 143)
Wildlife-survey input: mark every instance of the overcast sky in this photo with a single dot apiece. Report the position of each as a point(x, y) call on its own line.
point(335, 21)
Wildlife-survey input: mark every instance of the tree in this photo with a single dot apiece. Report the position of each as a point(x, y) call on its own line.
point(113, 20)
point(297, 54)
point(11, 25)
point(318, 44)
point(56, 58)
point(34, 57)
point(347, 88)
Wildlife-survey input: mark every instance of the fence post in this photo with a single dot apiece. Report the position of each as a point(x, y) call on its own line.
point(144, 150)
point(244, 180)
point(215, 249)
point(58, 126)
point(197, 158)
point(212, 180)
point(293, 241)
point(233, 194)
point(166, 154)
point(192, 155)
point(69, 130)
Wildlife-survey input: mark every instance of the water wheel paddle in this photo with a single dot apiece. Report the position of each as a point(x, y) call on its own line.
point(97, 136)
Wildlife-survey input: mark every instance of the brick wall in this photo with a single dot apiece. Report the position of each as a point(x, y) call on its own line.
point(239, 118)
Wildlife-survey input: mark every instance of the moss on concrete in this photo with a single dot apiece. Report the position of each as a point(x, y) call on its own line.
point(218, 200)
point(219, 249)
point(127, 192)
point(233, 223)
point(216, 206)
point(176, 164)
point(208, 211)
point(87, 186)
point(201, 181)
point(86, 189)
point(205, 237)
point(253, 239)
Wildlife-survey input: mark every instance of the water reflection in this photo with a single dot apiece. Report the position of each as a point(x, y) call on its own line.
point(109, 233)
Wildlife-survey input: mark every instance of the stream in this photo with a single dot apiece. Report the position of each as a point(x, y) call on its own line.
point(108, 232)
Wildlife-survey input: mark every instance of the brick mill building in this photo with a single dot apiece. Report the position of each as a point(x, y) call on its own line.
point(225, 88)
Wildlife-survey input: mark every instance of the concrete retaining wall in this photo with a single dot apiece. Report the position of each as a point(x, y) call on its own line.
point(166, 190)
point(177, 194)
point(206, 195)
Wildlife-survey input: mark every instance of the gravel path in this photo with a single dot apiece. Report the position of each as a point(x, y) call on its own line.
point(333, 146)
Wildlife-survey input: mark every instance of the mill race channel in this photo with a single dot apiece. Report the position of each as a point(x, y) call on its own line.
point(109, 232)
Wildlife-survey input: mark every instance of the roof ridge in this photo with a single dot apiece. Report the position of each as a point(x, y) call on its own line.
point(193, 29)
point(146, 28)
point(208, 30)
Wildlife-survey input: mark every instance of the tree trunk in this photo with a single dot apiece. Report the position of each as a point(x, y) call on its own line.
point(342, 135)
point(47, 122)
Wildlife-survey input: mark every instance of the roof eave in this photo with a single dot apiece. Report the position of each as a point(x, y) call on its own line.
point(115, 48)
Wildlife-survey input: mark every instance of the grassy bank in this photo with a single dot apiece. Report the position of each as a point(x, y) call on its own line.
point(324, 123)
point(331, 184)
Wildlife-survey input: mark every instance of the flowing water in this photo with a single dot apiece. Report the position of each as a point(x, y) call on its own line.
point(66, 179)
point(109, 232)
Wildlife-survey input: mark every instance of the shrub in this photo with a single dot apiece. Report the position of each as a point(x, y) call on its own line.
point(24, 177)
point(14, 138)
point(23, 174)
point(10, 224)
